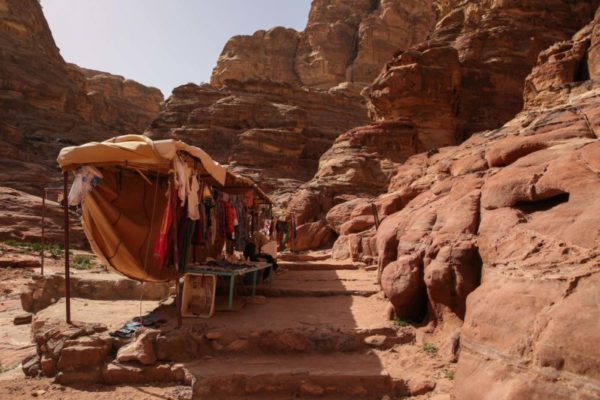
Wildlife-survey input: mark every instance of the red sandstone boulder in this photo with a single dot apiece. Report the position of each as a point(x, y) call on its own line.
point(141, 349)
point(341, 213)
point(313, 235)
point(402, 282)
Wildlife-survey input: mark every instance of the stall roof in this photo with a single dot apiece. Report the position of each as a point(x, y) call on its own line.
point(141, 152)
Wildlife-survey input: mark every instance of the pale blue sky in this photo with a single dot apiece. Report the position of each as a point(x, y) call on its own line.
point(162, 43)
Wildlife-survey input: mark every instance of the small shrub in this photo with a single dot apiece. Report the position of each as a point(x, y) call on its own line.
point(82, 262)
point(402, 322)
point(430, 349)
point(55, 250)
point(449, 374)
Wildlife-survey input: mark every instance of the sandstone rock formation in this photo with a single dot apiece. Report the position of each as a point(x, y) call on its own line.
point(467, 77)
point(141, 348)
point(272, 131)
point(344, 41)
point(503, 233)
point(472, 69)
point(279, 98)
point(46, 103)
point(85, 353)
point(21, 214)
point(358, 165)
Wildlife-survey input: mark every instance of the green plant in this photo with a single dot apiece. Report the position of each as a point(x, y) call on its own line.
point(56, 251)
point(449, 374)
point(82, 262)
point(402, 322)
point(430, 349)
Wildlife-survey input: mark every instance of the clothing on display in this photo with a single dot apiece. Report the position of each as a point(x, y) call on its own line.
point(86, 178)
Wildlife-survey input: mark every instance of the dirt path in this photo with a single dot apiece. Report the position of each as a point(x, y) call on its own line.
point(305, 308)
point(20, 388)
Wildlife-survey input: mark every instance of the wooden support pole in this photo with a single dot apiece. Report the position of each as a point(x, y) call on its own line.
point(66, 229)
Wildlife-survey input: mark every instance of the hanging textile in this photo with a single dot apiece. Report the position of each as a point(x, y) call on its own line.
point(192, 201)
point(162, 240)
point(182, 178)
point(86, 178)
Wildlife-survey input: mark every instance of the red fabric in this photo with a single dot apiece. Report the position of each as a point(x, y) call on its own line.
point(249, 198)
point(231, 217)
point(162, 240)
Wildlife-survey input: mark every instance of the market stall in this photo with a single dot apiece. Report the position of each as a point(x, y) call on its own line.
point(153, 209)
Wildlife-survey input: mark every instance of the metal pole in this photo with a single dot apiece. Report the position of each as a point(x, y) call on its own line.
point(67, 270)
point(174, 243)
point(43, 231)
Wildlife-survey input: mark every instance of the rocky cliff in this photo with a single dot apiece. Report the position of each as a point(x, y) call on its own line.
point(503, 232)
point(46, 103)
point(272, 131)
point(344, 41)
point(279, 98)
point(467, 77)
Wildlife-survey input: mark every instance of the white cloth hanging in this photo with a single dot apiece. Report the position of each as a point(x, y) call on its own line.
point(86, 178)
point(193, 210)
point(182, 179)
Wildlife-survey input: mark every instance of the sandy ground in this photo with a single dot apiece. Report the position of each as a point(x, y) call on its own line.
point(16, 387)
point(345, 312)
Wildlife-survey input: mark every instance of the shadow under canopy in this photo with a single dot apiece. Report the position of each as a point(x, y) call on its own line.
point(122, 215)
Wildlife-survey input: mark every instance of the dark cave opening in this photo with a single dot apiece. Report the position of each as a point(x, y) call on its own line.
point(542, 204)
point(583, 73)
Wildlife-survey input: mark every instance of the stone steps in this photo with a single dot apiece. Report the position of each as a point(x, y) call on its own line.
point(306, 376)
point(285, 292)
point(304, 257)
point(325, 265)
point(321, 283)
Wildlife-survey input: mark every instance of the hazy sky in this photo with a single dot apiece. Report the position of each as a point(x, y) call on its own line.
point(162, 43)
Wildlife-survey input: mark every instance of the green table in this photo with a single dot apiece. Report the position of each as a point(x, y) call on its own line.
point(232, 273)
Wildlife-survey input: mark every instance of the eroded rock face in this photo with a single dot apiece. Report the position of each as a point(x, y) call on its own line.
point(472, 70)
point(467, 77)
point(46, 104)
point(270, 53)
point(271, 131)
point(358, 165)
point(503, 233)
point(279, 98)
point(344, 41)
point(20, 219)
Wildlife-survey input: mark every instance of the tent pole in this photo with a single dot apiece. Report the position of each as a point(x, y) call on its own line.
point(175, 227)
point(66, 229)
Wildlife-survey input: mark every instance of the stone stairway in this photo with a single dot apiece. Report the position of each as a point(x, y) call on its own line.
point(317, 333)
point(321, 333)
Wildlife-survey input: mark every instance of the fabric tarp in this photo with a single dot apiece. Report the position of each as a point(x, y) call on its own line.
point(121, 219)
point(137, 151)
point(122, 215)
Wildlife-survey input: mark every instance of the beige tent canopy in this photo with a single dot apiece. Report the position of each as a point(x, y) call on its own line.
point(122, 215)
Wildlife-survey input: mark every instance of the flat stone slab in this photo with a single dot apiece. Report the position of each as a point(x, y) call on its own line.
point(321, 265)
point(323, 283)
point(278, 313)
point(113, 313)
